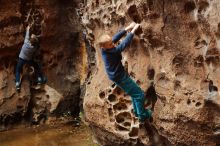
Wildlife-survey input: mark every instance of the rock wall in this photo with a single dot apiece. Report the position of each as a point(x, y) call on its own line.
point(177, 50)
point(57, 25)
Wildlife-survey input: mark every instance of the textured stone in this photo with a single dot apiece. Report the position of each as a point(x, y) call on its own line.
point(179, 43)
point(56, 23)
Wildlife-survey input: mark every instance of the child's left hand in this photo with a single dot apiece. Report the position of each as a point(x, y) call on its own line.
point(130, 26)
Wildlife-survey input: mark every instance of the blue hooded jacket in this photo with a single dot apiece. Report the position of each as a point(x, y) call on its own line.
point(112, 57)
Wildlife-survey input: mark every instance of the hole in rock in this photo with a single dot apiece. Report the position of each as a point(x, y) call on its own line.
point(133, 13)
point(200, 43)
point(150, 96)
point(97, 3)
point(120, 118)
point(178, 60)
point(198, 104)
point(113, 85)
point(120, 106)
point(129, 1)
point(110, 112)
point(177, 84)
point(188, 101)
point(214, 59)
point(102, 94)
point(150, 73)
point(126, 66)
point(189, 6)
point(212, 88)
point(138, 32)
point(134, 140)
point(150, 4)
point(155, 42)
point(109, 9)
point(217, 129)
point(218, 32)
point(112, 98)
point(127, 124)
point(134, 132)
point(120, 128)
point(203, 5)
point(198, 61)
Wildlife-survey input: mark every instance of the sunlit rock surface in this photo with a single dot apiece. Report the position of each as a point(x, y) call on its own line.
point(178, 49)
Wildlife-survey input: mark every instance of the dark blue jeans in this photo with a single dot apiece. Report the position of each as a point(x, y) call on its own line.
point(21, 63)
point(137, 95)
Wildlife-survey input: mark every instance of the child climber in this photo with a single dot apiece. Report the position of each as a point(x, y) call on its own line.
point(25, 57)
point(111, 55)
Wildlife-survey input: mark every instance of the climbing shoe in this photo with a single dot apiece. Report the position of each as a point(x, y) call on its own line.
point(148, 113)
point(41, 80)
point(18, 86)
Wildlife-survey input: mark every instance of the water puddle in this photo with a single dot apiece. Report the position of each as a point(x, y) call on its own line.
point(62, 135)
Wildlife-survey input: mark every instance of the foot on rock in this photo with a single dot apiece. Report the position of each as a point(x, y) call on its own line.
point(18, 86)
point(41, 80)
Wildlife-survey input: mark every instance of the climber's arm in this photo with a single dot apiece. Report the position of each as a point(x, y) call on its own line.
point(125, 42)
point(27, 35)
point(118, 36)
point(127, 39)
point(121, 33)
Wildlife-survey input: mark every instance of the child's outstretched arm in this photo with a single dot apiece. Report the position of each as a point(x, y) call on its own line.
point(27, 35)
point(127, 39)
point(121, 33)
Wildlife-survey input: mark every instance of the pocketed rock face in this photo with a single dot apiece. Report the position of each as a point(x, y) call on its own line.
point(57, 24)
point(178, 49)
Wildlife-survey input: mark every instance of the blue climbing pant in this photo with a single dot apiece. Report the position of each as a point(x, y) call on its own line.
point(137, 96)
point(21, 63)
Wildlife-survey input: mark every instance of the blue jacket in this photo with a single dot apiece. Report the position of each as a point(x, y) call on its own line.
point(112, 57)
point(27, 49)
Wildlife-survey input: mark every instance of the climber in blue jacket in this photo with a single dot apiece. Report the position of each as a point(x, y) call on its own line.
point(25, 57)
point(111, 55)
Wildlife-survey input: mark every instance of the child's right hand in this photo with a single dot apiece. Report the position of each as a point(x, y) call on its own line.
point(135, 28)
point(28, 27)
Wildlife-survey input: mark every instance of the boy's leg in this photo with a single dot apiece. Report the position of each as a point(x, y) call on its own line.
point(37, 69)
point(122, 86)
point(19, 67)
point(137, 95)
point(134, 107)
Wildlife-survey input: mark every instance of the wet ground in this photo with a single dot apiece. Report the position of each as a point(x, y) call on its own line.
point(62, 135)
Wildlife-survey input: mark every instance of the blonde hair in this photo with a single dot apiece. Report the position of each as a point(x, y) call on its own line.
point(103, 39)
